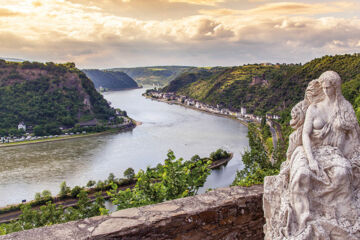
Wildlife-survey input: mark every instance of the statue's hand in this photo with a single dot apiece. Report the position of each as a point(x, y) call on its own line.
point(314, 166)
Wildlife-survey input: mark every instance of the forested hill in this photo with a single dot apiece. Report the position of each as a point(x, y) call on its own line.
point(266, 88)
point(158, 75)
point(41, 94)
point(110, 80)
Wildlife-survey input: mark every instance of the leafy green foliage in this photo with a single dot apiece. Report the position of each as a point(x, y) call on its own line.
point(256, 161)
point(75, 191)
point(90, 183)
point(50, 214)
point(64, 190)
point(218, 154)
point(129, 173)
point(175, 179)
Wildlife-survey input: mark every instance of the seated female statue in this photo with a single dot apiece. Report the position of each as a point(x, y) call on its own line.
point(316, 194)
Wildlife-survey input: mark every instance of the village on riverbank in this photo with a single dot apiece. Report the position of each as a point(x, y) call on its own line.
point(171, 97)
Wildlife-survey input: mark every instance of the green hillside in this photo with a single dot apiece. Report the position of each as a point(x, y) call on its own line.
point(43, 94)
point(280, 87)
point(109, 79)
point(158, 75)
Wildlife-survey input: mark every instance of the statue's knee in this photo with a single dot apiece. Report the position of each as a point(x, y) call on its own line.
point(341, 175)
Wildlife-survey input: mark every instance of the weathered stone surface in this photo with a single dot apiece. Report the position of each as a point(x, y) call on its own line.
point(213, 215)
point(127, 213)
point(114, 225)
point(316, 194)
point(163, 208)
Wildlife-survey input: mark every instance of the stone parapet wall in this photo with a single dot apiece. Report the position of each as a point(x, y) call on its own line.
point(225, 213)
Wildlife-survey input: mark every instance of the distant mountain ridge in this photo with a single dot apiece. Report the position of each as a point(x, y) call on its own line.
point(110, 79)
point(157, 75)
point(12, 59)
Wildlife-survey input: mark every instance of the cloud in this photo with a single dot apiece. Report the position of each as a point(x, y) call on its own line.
point(37, 4)
point(286, 8)
point(198, 2)
point(7, 13)
point(86, 34)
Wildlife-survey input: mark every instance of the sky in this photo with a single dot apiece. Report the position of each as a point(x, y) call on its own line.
point(130, 33)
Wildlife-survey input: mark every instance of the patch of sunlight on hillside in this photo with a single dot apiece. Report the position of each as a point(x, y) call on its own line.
point(157, 69)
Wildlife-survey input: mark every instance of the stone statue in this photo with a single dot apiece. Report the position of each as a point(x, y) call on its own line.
point(317, 193)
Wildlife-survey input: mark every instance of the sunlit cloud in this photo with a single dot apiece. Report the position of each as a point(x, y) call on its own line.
point(198, 2)
point(91, 36)
point(286, 8)
point(304, 8)
point(7, 13)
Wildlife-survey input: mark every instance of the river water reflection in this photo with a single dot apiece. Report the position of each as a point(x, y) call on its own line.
point(25, 170)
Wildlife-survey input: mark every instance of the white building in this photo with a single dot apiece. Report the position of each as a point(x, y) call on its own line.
point(276, 117)
point(22, 126)
point(243, 111)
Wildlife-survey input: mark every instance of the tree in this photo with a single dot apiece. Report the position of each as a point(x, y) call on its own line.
point(111, 177)
point(219, 154)
point(64, 189)
point(129, 173)
point(195, 158)
point(256, 161)
point(75, 191)
point(100, 185)
point(46, 194)
point(52, 129)
point(37, 196)
point(90, 183)
point(39, 130)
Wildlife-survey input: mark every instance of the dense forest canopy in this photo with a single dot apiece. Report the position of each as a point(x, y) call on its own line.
point(47, 94)
point(110, 80)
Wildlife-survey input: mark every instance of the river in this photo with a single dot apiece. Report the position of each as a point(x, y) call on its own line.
point(28, 169)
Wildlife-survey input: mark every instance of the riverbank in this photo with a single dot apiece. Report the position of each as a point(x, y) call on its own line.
point(121, 89)
point(242, 121)
point(274, 126)
point(123, 128)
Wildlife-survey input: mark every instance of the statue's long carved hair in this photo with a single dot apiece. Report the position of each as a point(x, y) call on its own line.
point(313, 94)
point(344, 118)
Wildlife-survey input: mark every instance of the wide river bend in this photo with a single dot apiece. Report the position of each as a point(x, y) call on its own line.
point(27, 169)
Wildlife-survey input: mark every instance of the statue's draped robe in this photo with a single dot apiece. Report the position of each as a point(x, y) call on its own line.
point(333, 193)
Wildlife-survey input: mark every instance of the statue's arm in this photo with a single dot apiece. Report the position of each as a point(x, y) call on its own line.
point(307, 130)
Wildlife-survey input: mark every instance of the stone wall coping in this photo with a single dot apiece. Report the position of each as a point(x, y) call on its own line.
point(129, 221)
